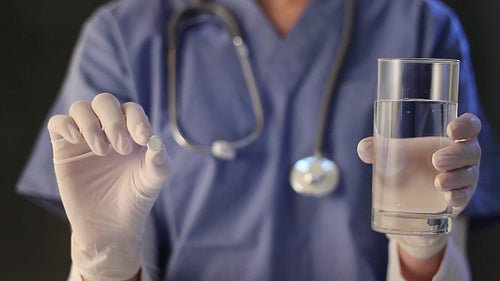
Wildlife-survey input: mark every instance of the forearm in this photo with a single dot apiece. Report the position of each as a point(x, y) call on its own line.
point(76, 276)
point(419, 269)
point(452, 259)
point(136, 277)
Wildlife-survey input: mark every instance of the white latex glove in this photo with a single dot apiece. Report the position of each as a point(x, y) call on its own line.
point(458, 165)
point(108, 180)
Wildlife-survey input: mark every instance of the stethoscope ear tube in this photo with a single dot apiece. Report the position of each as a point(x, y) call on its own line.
point(223, 149)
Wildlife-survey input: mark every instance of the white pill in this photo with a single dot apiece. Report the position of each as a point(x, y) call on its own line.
point(155, 143)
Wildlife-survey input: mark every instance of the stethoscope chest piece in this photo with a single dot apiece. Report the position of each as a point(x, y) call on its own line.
point(314, 176)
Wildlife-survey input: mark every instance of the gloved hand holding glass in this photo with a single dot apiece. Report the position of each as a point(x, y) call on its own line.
point(426, 161)
point(107, 213)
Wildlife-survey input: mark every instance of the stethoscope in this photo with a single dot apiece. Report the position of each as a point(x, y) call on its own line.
point(313, 175)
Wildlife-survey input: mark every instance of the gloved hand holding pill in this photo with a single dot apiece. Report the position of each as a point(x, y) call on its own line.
point(109, 170)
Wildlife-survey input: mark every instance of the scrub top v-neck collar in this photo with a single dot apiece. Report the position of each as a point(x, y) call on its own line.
point(285, 59)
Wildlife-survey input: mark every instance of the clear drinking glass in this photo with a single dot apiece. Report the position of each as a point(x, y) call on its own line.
point(416, 99)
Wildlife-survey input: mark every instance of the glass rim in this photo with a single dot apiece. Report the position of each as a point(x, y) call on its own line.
point(420, 60)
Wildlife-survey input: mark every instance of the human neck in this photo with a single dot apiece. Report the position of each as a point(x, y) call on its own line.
point(283, 14)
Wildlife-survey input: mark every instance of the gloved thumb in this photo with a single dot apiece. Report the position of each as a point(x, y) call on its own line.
point(155, 169)
point(365, 150)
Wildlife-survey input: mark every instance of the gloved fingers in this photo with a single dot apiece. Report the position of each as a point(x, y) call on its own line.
point(156, 169)
point(137, 123)
point(459, 198)
point(107, 109)
point(467, 126)
point(457, 179)
point(457, 155)
point(67, 142)
point(459, 185)
point(365, 150)
point(89, 126)
point(459, 162)
point(63, 127)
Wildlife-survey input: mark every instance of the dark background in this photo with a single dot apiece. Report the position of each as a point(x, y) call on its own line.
point(38, 38)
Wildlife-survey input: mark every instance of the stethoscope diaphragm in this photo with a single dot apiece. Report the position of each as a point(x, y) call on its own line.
point(315, 176)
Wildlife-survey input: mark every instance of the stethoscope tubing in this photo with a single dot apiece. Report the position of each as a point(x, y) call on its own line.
point(231, 25)
point(330, 89)
point(313, 175)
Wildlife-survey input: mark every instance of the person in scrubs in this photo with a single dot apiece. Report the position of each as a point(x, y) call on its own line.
point(142, 207)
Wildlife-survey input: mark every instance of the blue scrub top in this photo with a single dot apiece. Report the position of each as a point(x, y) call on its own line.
point(240, 220)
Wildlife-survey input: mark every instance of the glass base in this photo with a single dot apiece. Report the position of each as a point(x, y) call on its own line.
point(411, 223)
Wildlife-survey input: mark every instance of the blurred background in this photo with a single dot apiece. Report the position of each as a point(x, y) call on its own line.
point(38, 40)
